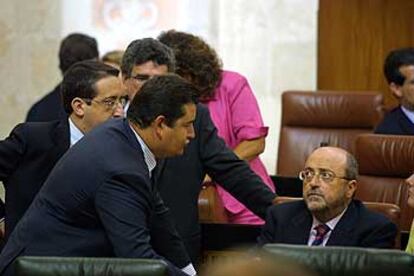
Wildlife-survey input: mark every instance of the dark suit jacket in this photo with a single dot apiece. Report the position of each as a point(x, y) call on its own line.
point(395, 122)
point(97, 201)
point(291, 223)
point(48, 108)
point(26, 158)
point(180, 180)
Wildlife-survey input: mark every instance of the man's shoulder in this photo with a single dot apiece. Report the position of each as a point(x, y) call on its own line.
point(48, 108)
point(390, 122)
point(288, 208)
point(367, 216)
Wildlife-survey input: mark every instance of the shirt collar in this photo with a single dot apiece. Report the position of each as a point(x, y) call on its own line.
point(408, 113)
point(332, 223)
point(148, 155)
point(75, 133)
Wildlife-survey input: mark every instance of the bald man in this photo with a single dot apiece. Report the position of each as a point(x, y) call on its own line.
point(328, 215)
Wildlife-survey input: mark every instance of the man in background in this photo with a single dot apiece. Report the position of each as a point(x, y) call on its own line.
point(100, 201)
point(180, 178)
point(92, 93)
point(73, 48)
point(399, 72)
point(328, 214)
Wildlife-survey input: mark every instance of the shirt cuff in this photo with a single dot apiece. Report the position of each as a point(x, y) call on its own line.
point(189, 270)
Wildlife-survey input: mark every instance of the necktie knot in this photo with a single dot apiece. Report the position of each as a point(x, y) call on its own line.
point(321, 231)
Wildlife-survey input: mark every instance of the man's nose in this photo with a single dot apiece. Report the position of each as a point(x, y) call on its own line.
point(118, 110)
point(191, 132)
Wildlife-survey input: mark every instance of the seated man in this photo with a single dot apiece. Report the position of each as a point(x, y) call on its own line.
point(99, 199)
point(92, 93)
point(328, 214)
point(410, 183)
point(399, 72)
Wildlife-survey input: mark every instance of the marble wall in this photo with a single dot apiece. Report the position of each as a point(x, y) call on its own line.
point(29, 40)
point(273, 43)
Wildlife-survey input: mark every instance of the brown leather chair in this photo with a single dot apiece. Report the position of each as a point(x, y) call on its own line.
point(210, 206)
point(391, 211)
point(385, 161)
point(332, 117)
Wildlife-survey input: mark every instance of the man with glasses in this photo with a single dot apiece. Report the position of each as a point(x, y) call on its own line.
point(180, 178)
point(92, 93)
point(99, 199)
point(328, 214)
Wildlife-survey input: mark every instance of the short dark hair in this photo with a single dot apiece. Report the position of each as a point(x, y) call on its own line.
point(76, 47)
point(143, 50)
point(195, 59)
point(80, 80)
point(393, 62)
point(161, 95)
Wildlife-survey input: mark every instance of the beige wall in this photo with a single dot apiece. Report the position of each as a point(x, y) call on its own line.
point(29, 39)
point(273, 43)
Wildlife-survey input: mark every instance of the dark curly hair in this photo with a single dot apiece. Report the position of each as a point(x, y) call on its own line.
point(195, 61)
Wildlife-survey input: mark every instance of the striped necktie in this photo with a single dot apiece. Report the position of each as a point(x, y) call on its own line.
point(321, 231)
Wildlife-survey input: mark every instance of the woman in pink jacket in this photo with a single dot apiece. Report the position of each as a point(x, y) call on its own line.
point(233, 109)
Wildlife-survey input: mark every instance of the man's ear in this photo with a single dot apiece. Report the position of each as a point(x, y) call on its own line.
point(159, 126)
point(351, 188)
point(396, 90)
point(78, 106)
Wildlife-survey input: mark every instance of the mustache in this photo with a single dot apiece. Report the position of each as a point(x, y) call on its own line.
point(314, 193)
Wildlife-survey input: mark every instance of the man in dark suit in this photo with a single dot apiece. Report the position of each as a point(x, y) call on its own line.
point(180, 178)
point(328, 214)
point(73, 48)
point(92, 93)
point(99, 199)
point(399, 72)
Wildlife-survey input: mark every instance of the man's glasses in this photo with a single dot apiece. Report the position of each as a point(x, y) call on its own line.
point(109, 103)
point(326, 176)
point(141, 77)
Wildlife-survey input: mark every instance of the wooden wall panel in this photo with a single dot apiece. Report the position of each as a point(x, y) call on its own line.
point(354, 37)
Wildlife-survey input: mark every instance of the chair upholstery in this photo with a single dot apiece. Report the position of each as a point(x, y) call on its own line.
point(335, 118)
point(71, 266)
point(210, 206)
point(385, 161)
point(334, 260)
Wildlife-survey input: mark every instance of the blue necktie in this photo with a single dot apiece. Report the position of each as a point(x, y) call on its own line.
point(321, 231)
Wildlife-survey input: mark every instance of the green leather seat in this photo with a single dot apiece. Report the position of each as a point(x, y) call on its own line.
point(71, 266)
point(352, 261)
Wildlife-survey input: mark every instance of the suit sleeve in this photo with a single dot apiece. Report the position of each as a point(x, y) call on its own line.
point(268, 230)
point(165, 238)
point(11, 152)
point(233, 174)
point(124, 206)
point(381, 236)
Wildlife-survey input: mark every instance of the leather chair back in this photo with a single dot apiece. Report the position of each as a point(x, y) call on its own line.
point(335, 260)
point(332, 117)
point(385, 161)
point(72, 266)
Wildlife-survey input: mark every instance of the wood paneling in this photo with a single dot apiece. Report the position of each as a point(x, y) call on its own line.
point(354, 37)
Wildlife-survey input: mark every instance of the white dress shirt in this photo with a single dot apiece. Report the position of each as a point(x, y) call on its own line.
point(331, 224)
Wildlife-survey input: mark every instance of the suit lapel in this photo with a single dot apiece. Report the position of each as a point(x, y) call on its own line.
point(343, 232)
point(405, 124)
point(61, 137)
point(298, 231)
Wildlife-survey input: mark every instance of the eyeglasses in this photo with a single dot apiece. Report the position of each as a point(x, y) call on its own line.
point(109, 103)
point(141, 77)
point(326, 176)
